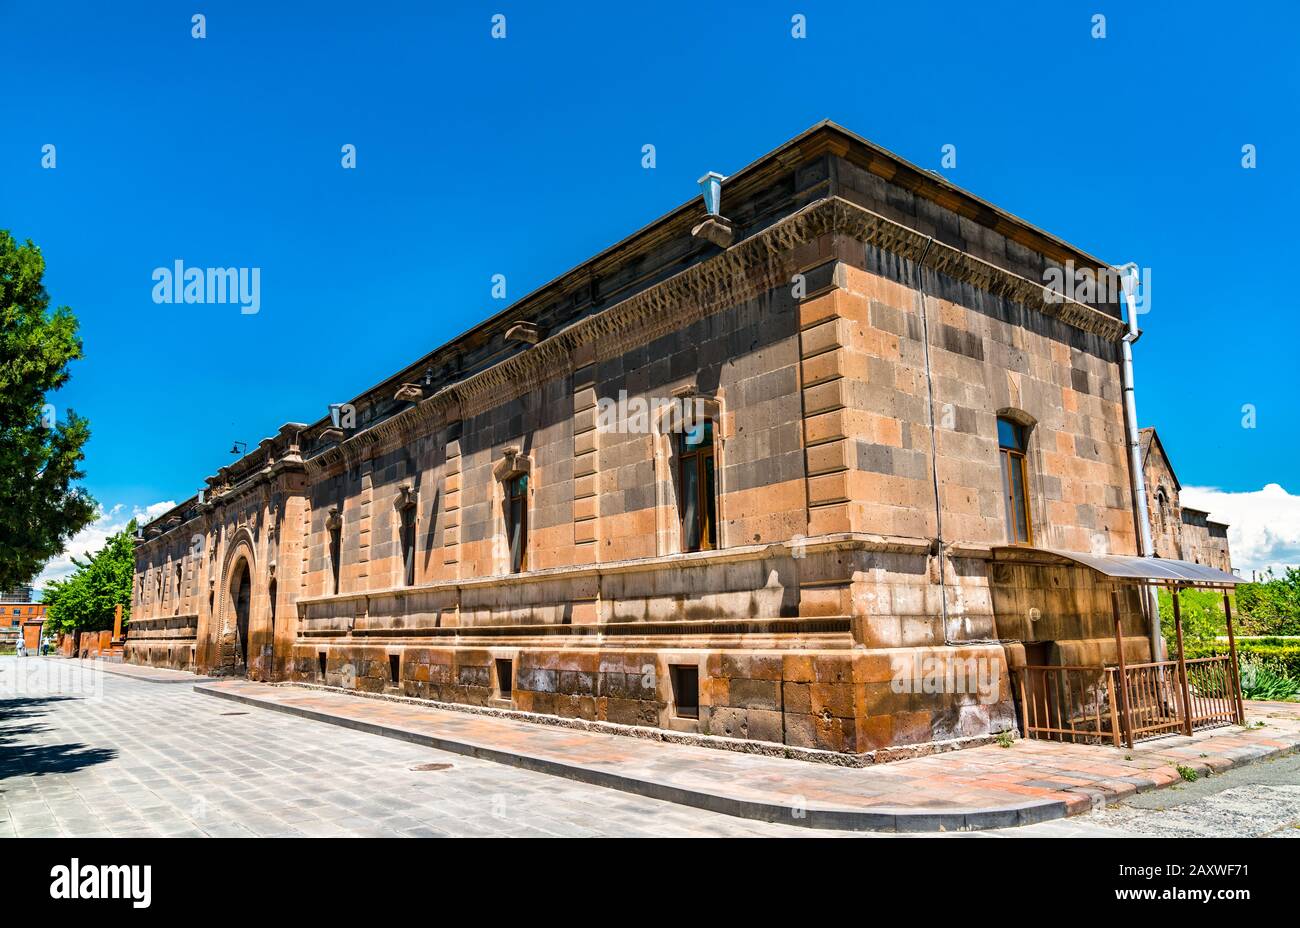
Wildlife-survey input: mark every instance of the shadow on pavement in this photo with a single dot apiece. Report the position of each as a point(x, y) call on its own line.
point(36, 759)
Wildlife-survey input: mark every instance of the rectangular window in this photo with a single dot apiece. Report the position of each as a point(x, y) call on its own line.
point(394, 668)
point(408, 545)
point(336, 553)
point(698, 488)
point(517, 507)
point(686, 690)
point(505, 678)
point(1015, 482)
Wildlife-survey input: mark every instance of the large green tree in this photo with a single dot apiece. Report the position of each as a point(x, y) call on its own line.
point(40, 508)
point(86, 599)
point(1273, 604)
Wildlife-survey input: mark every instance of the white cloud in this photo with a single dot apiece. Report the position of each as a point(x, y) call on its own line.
point(152, 511)
point(1263, 525)
point(94, 536)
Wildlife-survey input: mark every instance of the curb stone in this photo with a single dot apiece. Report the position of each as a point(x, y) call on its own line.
point(881, 818)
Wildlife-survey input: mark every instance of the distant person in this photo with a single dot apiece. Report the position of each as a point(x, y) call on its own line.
point(20, 648)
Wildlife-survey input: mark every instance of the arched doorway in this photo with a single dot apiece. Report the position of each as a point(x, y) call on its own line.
point(241, 591)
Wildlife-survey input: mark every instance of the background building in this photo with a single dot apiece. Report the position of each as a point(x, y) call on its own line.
point(19, 616)
point(22, 594)
point(1179, 531)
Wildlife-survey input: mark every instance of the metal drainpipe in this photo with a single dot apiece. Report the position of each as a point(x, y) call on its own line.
point(934, 438)
point(1128, 277)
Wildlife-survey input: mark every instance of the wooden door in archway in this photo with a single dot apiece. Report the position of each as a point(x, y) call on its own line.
point(241, 592)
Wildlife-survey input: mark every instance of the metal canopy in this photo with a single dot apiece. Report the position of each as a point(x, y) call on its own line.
point(1159, 570)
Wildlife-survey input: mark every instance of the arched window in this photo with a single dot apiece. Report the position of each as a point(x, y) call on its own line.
point(1162, 509)
point(698, 485)
point(1012, 442)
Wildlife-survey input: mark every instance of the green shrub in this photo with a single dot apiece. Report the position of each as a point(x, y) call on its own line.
point(1278, 660)
point(1259, 682)
point(1281, 659)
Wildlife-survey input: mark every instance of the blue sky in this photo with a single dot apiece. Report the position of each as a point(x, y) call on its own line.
point(522, 156)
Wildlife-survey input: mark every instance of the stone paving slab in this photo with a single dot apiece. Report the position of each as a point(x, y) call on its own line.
point(136, 671)
point(975, 788)
point(91, 755)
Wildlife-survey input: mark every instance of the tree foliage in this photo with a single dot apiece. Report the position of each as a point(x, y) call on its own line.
point(1272, 606)
point(86, 599)
point(40, 458)
point(1202, 612)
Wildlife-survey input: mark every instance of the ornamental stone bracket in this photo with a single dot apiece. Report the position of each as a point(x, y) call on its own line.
point(512, 464)
point(717, 230)
point(525, 332)
point(406, 497)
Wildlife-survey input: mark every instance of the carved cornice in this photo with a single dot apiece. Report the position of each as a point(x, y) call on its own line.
point(442, 407)
point(754, 266)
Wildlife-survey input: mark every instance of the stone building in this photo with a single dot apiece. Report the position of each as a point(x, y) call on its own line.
point(1178, 531)
point(800, 472)
point(20, 617)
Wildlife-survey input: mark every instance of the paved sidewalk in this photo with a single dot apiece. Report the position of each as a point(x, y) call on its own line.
point(137, 671)
point(975, 788)
point(90, 754)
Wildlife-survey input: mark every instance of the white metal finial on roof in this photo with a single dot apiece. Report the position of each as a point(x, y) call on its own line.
point(711, 186)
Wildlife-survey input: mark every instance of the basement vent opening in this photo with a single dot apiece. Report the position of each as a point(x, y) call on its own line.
point(505, 678)
point(686, 690)
point(394, 668)
point(320, 660)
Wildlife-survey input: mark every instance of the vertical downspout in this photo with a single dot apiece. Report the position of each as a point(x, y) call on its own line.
point(934, 438)
point(1128, 277)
